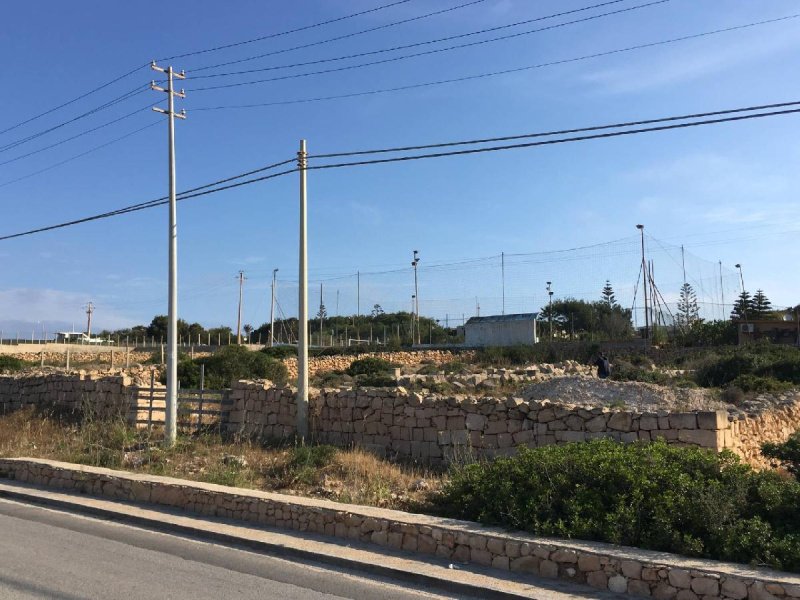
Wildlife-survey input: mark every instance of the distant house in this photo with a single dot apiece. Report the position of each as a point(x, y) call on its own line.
point(501, 330)
point(778, 332)
point(73, 337)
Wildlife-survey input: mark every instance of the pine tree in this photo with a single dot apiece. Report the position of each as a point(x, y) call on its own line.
point(688, 311)
point(762, 307)
point(323, 312)
point(608, 295)
point(743, 307)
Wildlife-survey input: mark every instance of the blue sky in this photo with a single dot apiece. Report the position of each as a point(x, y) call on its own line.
point(726, 192)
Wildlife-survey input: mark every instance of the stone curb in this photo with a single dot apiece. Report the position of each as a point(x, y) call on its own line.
point(602, 566)
point(29, 495)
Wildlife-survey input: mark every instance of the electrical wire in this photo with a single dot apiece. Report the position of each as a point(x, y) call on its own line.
point(193, 193)
point(559, 132)
point(287, 32)
point(68, 102)
point(82, 154)
point(406, 46)
point(342, 37)
point(494, 73)
point(77, 135)
point(556, 141)
point(134, 92)
point(417, 54)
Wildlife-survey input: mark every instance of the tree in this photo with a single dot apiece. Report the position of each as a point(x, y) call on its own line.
point(608, 295)
point(762, 307)
point(688, 312)
point(743, 307)
point(248, 329)
point(377, 310)
point(323, 312)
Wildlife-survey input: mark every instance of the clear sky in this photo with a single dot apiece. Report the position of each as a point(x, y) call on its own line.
point(726, 192)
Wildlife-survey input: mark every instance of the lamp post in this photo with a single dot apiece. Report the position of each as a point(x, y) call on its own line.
point(644, 287)
point(550, 308)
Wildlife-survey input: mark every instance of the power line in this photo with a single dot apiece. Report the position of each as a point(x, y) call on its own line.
point(77, 135)
point(73, 100)
point(82, 154)
point(497, 73)
point(425, 53)
point(560, 132)
point(556, 141)
point(416, 44)
point(287, 32)
point(193, 193)
point(343, 37)
point(136, 91)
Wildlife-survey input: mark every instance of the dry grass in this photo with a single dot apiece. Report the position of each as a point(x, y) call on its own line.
point(352, 476)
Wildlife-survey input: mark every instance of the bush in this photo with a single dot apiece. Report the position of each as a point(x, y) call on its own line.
point(762, 360)
point(756, 383)
point(654, 496)
point(11, 363)
point(230, 364)
point(622, 370)
point(786, 453)
point(280, 352)
point(369, 366)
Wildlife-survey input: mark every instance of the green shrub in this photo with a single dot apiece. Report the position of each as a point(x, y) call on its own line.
point(654, 496)
point(732, 395)
point(11, 363)
point(521, 354)
point(786, 453)
point(763, 360)
point(369, 366)
point(622, 370)
point(280, 352)
point(757, 383)
point(227, 365)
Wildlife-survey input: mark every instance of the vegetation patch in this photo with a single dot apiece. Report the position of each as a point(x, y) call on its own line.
point(230, 364)
point(654, 496)
point(11, 363)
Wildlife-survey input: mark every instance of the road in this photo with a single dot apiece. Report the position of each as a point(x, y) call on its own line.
point(52, 554)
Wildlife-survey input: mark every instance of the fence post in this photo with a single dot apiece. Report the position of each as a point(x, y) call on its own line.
point(128, 359)
point(162, 355)
point(41, 359)
point(67, 358)
point(112, 358)
point(150, 407)
point(202, 387)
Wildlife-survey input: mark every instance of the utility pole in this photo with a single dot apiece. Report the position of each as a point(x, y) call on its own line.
point(358, 293)
point(272, 310)
point(644, 287)
point(302, 330)
point(414, 264)
point(744, 304)
point(550, 308)
point(321, 306)
point(239, 316)
point(503, 278)
point(89, 311)
point(721, 290)
point(477, 307)
point(171, 413)
point(683, 264)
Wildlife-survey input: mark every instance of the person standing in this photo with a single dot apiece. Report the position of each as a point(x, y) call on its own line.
point(603, 366)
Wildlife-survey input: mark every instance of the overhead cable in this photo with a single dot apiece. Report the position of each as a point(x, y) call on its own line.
point(425, 53)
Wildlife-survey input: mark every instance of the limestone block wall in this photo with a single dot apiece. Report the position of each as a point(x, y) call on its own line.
point(331, 363)
point(773, 425)
point(438, 429)
point(106, 395)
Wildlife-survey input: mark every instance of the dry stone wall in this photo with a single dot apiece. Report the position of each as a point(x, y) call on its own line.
point(321, 364)
point(438, 429)
point(601, 566)
point(75, 393)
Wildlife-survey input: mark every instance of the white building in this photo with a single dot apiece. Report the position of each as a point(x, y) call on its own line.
point(501, 330)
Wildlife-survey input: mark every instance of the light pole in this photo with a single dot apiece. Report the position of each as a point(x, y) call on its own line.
point(744, 303)
point(414, 264)
point(550, 308)
point(413, 300)
point(644, 287)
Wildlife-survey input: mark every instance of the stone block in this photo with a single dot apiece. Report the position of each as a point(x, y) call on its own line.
point(525, 564)
point(632, 569)
point(705, 586)
point(588, 563)
point(564, 556)
point(597, 579)
point(548, 568)
point(712, 419)
point(683, 421)
point(475, 422)
point(638, 587)
point(686, 595)
point(680, 578)
point(620, 421)
point(698, 437)
point(618, 584)
point(664, 592)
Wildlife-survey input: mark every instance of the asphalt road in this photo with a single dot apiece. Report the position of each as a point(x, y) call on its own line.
point(51, 554)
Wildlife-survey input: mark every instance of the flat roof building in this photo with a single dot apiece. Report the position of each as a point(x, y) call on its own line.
point(501, 330)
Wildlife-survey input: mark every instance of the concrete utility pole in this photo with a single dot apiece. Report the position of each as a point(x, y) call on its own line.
point(171, 416)
point(89, 311)
point(272, 309)
point(239, 317)
point(721, 290)
point(644, 287)
point(503, 278)
point(744, 306)
point(550, 309)
point(321, 306)
point(414, 264)
point(302, 341)
point(358, 293)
